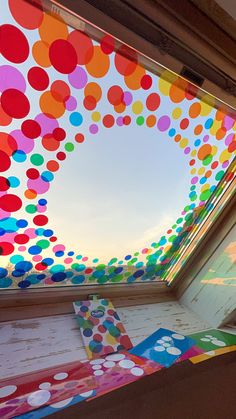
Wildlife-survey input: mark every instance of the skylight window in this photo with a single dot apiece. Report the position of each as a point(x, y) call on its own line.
point(106, 168)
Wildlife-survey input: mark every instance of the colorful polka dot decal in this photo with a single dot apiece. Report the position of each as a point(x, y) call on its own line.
point(120, 369)
point(42, 393)
point(213, 339)
point(47, 410)
point(61, 76)
point(164, 346)
point(211, 354)
point(101, 328)
point(46, 390)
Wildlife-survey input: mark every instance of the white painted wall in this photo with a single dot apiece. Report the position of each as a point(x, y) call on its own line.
point(212, 294)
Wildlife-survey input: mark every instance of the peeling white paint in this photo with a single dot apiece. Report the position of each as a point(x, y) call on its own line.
point(33, 344)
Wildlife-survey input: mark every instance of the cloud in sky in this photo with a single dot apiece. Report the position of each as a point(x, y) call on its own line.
point(154, 233)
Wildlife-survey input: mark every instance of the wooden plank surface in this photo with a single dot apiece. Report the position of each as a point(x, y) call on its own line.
point(40, 302)
point(32, 344)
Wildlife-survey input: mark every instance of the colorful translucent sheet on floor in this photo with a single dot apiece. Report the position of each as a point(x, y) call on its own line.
point(24, 393)
point(117, 370)
point(211, 354)
point(101, 327)
point(163, 346)
point(194, 351)
point(212, 342)
point(106, 167)
point(212, 339)
point(56, 407)
point(36, 395)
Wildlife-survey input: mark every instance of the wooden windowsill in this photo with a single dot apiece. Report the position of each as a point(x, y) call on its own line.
point(20, 304)
point(25, 304)
point(56, 340)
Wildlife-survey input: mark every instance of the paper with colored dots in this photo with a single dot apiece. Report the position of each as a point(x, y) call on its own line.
point(211, 354)
point(45, 411)
point(105, 166)
point(210, 340)
point(22, 394)
point(119, 369)
point(101, 328)
point(193, 351)
point(163, 346)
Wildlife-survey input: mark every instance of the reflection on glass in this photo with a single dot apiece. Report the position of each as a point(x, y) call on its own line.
point(223, 268)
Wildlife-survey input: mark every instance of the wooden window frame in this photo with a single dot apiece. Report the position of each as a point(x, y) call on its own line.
point(167, 33)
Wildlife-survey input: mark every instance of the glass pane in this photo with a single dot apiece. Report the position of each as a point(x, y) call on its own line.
point(108, 161)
